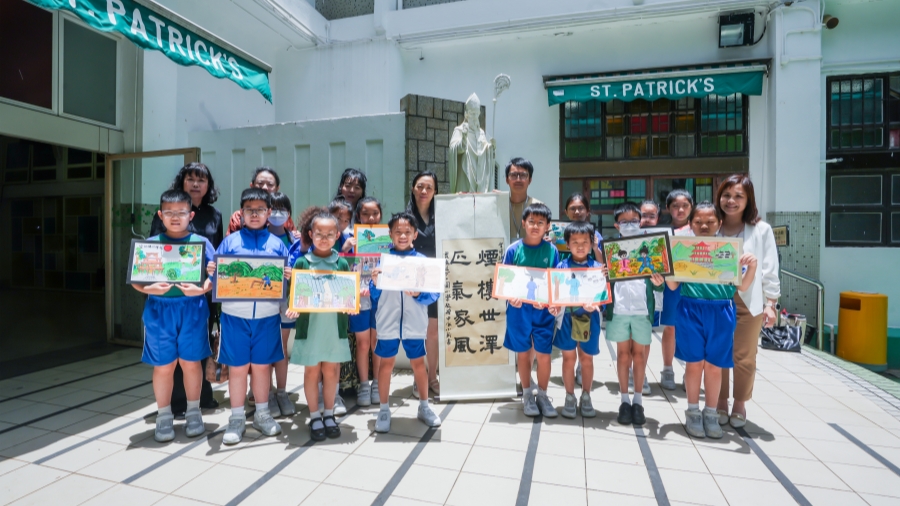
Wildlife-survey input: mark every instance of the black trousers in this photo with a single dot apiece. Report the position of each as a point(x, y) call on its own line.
point(179, 397)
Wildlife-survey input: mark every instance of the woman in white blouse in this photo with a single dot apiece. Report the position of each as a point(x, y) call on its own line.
point(736, 204)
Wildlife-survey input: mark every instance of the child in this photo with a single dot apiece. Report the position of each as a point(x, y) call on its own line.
point(281, 214)
point(343, 211)
point(250, 330)
point(706, 323)
point(531, 325)
point(368, 212)
point(321, 337)
point(679, 203)
point(649, 213)
point(175, 325)
point(630, 323)
point(579, 236)
point(279, 402)
point(401, 317)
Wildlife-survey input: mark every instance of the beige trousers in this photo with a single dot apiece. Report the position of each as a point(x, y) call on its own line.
point(746, 341)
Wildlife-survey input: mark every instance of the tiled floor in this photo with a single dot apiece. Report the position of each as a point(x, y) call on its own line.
point(816, 435)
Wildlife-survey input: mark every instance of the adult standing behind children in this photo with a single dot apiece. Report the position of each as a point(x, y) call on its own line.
point(518, 177)
point(264, 178)
point(736, 203)
point(195, 179)
point(352, 188)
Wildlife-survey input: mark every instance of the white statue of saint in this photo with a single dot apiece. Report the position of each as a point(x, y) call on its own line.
point(470, 157)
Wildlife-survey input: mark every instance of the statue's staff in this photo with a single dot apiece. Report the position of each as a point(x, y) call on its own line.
point(501, 84)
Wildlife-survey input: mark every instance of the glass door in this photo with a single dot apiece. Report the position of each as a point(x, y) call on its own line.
point(132, 198)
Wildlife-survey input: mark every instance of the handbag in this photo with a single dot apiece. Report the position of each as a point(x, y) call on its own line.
point(783, 338)
point(581, 328)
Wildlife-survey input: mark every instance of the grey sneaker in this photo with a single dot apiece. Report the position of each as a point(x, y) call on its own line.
point(376, 397)
point(630, 381)
point(578, 374)
point(546, 405)
point(711, 425)
point(237, 425)
point(570, 409)
point(646, 390)
point(339, 408)
point(193, 424)
point(274, 410)
point(285, 405)
point(587, 406)
point(364, 395)
point(428, 416)
point(694, 423)
point(165, 428)
point(383, 422)
point(529, 403)
point(667, 379)
point(263, 422)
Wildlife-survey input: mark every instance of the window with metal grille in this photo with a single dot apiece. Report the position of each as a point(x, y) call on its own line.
point(864, 113)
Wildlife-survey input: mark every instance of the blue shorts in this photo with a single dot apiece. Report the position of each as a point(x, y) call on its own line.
point(563, 337)
point(706, 331)
point(388, 348)
point(363, 321)
point(245, 341)
point(527, 327)
point(175, 327)
point(670, 307)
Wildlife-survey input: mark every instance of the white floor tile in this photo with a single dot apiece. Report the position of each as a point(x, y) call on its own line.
point(72, 489)
point(124, 494)
point(426, 483)
point(27, 479)
point(482, 490)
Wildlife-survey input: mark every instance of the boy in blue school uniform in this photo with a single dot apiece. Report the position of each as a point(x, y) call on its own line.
point(175, 324)
point(530, 325)
point(251, 335)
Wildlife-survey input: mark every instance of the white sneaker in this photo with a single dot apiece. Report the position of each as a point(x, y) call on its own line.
point(667, 379)
point(546, 405)
point(647, 390)
point(339, 408)
point(587, 406)
point(285, 405)
point(364, 394)
point(237, 425)
point(383, 422)
point(529, 403)
point(376, 397)
point(428, 416)
point(263, 422)
point(578, 374)
point(274, 410)
point(165, 428)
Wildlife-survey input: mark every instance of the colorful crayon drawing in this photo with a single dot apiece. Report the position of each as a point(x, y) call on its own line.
point(556, 235)
point(638, 256)
point(524, 283)
point(324, 291)
point(372, 239)
point(415, 274)
point(154, 261)
point(577, 287)
point(707, 259)
point(363, 264)
point(248, 278)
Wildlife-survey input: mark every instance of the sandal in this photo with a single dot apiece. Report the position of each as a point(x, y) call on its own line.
point(435, 386)
point(738, 420)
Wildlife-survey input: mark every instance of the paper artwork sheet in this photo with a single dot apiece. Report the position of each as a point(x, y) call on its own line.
point(523, 283)
point(474, 320)
point(638, 257)
point(363, 264)
point(657, 230)
point(248, 278)
point(372, 239)
point(324, 291)
point(409, 273)
point(577, 287)
point(556, 234)
point(154, 262)
point(707, 259)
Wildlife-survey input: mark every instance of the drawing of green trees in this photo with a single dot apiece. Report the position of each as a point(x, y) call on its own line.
point(368, 235)
point(504, 276)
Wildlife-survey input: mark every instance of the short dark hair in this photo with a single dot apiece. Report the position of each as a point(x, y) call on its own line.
point(680, 192)
point(198, 170)
point(579, 227)
point(351, 174)
point(340, 204)
point(521, 163)
point(402, 215)
point(537, 210)
point(650, 202)
point(576, 196)
point(281, 201)
point(256, 194)
point(703, 206)
point(644, 250)
point(751, 213)
point(270, 170)
point(363, 201)
point(626, 207)
point(175, 196)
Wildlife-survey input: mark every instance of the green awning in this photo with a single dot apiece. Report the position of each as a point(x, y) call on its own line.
point(650, 85)
point(153, 27)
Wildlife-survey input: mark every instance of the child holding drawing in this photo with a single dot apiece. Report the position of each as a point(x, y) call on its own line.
point(573, 322)
point(706, 323)
point(321, 344)
point(402, 317)
point(679, 203)
point(368, 212)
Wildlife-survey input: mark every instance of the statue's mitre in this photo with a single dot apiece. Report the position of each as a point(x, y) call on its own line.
point(473, 103)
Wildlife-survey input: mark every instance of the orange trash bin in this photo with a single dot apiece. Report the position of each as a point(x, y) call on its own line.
point(862, 329)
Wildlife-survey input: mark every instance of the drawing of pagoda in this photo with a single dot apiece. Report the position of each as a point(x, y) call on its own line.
point(700, 255)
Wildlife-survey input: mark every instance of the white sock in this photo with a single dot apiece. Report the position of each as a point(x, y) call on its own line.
point(193, 405)
point(166, 411)
point(262, 406)
point(237, 411)
point(280, 391)
point(423, 403)
point(693, 407)
point(314, 414)
point(638, 397)
point(329, 412)
point(626, 398)
point(668, 368)
point(385, 407)
point(709, 410)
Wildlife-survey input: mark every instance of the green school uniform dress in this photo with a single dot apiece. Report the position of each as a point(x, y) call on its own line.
point(321, 337)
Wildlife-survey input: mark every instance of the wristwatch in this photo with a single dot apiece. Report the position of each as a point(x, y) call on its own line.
point(774, 305)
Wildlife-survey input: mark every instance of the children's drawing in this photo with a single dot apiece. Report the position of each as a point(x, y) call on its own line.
point(524, 283)
point(363, 264)
point(409, 273)
point(372, 239)
point(707, 259)
point(248, 278)
point(556, 235)
point(154, 262)
point(638, 257)
point(577, 287)
point(657, 230)
point(324, 291)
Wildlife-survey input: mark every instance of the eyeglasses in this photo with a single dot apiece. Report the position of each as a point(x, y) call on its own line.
point(320, 237)
point(632, 222)
point(176, 214)
point(522, 176)
point(254, 212)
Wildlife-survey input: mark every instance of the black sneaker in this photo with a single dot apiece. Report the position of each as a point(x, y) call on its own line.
point(332, 432)
point(209, 404)
point(637, 415)
point(624, 414)
point(317, 429)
